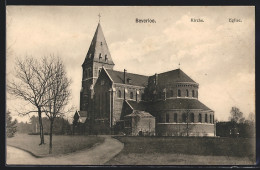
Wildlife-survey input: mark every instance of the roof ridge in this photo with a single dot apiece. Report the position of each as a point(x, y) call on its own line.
point(170, 71)
point(126, 72)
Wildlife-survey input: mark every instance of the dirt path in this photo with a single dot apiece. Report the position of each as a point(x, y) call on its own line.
point(94, 156)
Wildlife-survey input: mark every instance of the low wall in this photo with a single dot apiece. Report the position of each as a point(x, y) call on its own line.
point(180, 129)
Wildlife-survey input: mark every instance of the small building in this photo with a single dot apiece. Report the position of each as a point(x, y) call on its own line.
point(139, 123)
point(79, 121)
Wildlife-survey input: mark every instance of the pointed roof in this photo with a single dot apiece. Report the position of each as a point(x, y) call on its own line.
point(176, 76)
point(98, 50)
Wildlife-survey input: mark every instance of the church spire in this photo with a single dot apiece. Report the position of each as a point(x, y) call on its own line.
point(98, 50)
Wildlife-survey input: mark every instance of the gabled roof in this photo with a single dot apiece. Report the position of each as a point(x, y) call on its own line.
point(140, 114)
point(174, 76)
point(136, 79)
point(141, 106)
point(179, 103)
point(99, 46)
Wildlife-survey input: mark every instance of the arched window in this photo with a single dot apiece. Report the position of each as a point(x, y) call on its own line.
point(89, 72)
point(86, 73)
point(106, 58)
point(99, 71)
point(131, 95)
point(206, 118)
point(210, 119)
point(167, 118)
point(175, 118)
point(184, 117)
point(192, 117)
point(179, 93)
point(100, 56)
point(193, 93)
point(160, 119)
point(200, 118)
point(171, 93)
point(187, 93)
point(101, 43)
point(119, 93)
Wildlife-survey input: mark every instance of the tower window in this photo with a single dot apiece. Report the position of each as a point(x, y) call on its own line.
point(193, 93)
point(100, 56)
point(119, 93)
point(179, 93)
point(175, 117)
point(99, 71)
point(200, 119)
point(131, 95)
point(100, 43)
point(187, 93)
point(106, 58)
point(167, 118)
point(206, 118)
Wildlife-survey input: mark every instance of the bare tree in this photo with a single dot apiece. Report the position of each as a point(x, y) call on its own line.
point(58, 94)
point(30, 83)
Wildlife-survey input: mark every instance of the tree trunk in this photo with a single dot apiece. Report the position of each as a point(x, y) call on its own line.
point(50, 144)
point(41, 127)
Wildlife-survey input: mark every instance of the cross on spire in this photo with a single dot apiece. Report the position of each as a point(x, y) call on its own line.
point(99, 16)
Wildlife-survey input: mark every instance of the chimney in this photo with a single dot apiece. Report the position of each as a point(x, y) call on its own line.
point(124, 76)
point(156, 79)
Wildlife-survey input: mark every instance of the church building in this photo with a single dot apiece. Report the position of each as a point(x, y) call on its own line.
point(164, 104)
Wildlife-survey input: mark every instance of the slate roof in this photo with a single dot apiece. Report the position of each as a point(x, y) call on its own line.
point(174, 76)
point(98, 46)
point(141, 106)
point(136, 79)
point(179, 103)
point(139, 114)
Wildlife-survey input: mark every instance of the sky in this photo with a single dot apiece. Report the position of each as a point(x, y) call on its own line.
point(216, 53)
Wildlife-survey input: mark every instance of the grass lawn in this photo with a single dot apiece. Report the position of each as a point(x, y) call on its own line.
point(61, 144)
point(185, 151)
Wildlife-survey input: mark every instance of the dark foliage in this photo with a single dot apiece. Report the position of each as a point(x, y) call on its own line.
point(60, 127)
point(10, 125)
point(233, 129)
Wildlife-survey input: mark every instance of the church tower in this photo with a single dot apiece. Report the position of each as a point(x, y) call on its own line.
point(98, 56)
